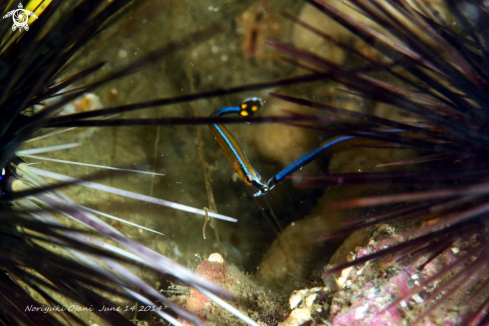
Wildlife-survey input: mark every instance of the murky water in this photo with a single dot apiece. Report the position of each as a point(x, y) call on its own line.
point(237, 56)
point(226, 59)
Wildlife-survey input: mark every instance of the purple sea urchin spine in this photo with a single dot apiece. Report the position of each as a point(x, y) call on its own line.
point(435, 74)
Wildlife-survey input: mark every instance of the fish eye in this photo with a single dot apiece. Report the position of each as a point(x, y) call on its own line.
point(250, 106)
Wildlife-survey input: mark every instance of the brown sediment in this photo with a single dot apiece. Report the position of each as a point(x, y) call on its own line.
point(251, 299)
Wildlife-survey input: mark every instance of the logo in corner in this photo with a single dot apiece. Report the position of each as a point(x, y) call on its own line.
point(20, 17)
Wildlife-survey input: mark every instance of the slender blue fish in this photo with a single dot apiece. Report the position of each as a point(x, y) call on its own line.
point(240, 162)
point(234, 153)
point(331, 145)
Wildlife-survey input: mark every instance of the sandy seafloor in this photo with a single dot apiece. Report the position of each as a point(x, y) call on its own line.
point(219, 62)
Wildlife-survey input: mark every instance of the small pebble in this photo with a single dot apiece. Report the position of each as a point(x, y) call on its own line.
point(216, 258)
point(297, 317)
point(310, 299)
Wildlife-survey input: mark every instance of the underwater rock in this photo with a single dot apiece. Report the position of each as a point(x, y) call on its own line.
point(307, 40)
point(308, 305)
point(355, 239)
point(292, 253)
point(84, 103)
point(296, 247)
point(365, 293)
point(373, 300)
point(369, 290)
point(297, 317)
point(284, 143)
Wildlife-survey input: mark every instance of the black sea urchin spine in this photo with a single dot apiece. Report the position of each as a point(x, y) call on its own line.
point(440, 78)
